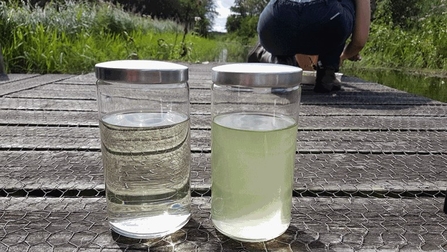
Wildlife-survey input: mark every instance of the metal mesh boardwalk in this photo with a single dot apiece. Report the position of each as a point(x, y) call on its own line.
point(370, 173)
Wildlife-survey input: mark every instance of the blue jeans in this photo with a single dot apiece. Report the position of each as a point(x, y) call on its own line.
point(319, 27)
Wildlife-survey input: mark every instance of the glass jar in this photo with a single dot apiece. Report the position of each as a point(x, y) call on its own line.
point(255, 110)
point(144, 123)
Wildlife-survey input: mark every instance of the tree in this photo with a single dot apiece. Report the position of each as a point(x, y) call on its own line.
point(400, 13)
point(249, 7)
point(245, 17)
point(198, 14)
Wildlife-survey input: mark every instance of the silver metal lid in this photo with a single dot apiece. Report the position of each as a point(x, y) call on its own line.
point(257, 75)
point(141, 72)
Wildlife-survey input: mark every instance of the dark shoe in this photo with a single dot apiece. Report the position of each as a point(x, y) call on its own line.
point(326, 81)
point(285, 60)
point(259, 55)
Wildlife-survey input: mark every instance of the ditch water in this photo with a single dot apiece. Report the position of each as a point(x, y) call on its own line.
point(432, 87)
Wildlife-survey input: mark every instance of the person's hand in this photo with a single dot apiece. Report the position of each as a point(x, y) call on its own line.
point(343, 57)
point(355, 57)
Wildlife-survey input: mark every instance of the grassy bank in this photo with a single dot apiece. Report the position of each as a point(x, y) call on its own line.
point(74, 37)
point(415, 43)
point(407, 52)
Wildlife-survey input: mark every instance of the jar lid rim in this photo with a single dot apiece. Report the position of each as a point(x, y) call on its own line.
point(141, 71)
point(257, 75)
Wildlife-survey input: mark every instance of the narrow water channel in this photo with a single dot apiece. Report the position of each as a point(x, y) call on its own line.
point(428, 86)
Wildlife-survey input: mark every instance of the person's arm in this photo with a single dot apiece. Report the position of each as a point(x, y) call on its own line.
point(361, 31)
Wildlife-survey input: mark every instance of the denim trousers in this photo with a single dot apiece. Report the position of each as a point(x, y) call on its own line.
point(318, 27)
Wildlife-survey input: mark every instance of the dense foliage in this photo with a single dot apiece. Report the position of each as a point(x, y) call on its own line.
point(199, 13)
point(408, 34)
point(70, 37)
point(73, 37)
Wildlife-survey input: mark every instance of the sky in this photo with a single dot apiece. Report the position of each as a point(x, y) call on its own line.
point(223, 8)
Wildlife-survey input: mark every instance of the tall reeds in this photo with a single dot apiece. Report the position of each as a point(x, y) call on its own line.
point(73, 37)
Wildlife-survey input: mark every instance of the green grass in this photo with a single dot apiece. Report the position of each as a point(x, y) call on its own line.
point(419, 43)
point(409, 56)
point(74, 37)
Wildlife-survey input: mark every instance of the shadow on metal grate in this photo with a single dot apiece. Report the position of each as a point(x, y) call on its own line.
point(370, 171)
point(319, 224)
